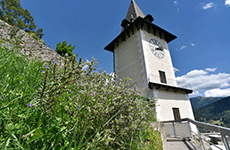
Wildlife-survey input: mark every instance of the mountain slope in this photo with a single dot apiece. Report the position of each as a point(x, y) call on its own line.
point(218, 110)
point(202, 101)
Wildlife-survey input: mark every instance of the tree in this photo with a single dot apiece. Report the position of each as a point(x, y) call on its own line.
point(63, 49)
point(12, 13)
point(39, 33)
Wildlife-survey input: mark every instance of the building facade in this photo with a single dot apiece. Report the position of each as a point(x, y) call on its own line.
point(141, 52)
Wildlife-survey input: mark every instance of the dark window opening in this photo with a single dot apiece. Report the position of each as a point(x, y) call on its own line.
point(162, 77)
point(176, 113)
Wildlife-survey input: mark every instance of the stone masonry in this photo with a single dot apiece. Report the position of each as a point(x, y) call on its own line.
point(30, 46)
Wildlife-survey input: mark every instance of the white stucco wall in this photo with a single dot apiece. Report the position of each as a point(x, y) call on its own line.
point(134, 59)
point(129, 62)
point(166, 100)
point(153, 64)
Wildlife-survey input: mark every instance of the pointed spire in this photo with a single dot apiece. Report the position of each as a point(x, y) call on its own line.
point(134, 12)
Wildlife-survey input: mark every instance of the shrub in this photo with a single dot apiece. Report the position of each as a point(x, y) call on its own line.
point(69, 108)
point(64, 49)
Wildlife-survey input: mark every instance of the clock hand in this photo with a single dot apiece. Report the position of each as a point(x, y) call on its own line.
point(158, 48)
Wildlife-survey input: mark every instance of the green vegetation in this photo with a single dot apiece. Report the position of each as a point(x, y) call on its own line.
point(45, 106)
point(217, 112)
point(202, 101)
point(12, 13)
point(63, 49)
point(154, 141)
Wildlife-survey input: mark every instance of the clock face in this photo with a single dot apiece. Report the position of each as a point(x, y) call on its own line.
point(156, 48)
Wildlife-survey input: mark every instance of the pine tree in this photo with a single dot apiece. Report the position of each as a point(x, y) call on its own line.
point(63, 48)
point(12, 13)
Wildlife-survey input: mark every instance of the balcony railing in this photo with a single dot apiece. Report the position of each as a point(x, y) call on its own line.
point(182, 128)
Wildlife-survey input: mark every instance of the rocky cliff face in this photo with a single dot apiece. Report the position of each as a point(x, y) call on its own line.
point(30, 46)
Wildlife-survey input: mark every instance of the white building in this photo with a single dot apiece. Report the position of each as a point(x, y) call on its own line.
point(141, 52)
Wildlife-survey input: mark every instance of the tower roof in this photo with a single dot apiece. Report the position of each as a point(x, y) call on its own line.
point(140, 24)
point(136, 20)
point(134, 11)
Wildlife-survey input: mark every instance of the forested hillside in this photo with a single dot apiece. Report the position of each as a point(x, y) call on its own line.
point(217, 112)
point(202, 101)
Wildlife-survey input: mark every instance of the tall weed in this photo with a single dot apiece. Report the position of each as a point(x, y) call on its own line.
point(45, 106)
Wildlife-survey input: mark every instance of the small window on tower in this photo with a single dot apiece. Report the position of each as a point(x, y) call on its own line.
point(176, 113)
point(162, 77)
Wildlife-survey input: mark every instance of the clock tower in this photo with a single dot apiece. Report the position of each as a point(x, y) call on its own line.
point(141, 52)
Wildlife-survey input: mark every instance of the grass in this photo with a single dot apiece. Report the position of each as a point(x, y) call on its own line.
point(43, 106)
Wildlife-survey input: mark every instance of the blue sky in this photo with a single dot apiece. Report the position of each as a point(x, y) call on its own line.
point(200, 54)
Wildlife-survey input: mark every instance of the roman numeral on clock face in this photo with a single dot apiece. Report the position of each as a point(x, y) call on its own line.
point(156, 48)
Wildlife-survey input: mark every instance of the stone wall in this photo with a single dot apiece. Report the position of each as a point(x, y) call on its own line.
point(30, 46)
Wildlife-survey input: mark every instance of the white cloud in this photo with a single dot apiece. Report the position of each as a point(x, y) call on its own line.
point(175, 2)
point(211, 69)
point(195, 94)
point(175, 70)
point(85, 67)
point(208, 6)
point(193, 44)
point(217, 92)
point(227, 2)
point(195, 73)
point(203, 80)
point(112, 74)
point(183, 47)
